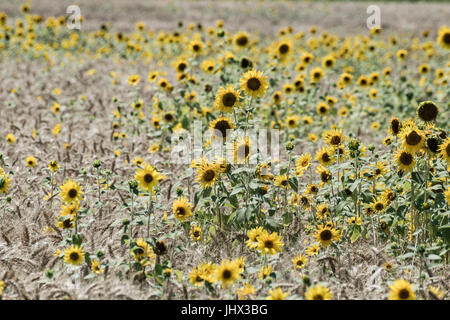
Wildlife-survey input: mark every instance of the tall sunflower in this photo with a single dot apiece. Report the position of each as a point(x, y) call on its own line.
point(405, 160)
point(269, 243)
point(70, 192)
point(221, 127)
point(74, 255)
point(413, 139)
point(254, 83)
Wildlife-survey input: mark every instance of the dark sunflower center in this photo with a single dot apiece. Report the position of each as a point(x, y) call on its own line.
point(284, 182)
point(182, 66)
point(139, 251)
point(316, 74)
point(406, 158)
point(229, 99)
point(325, 157)
point(318, 297)
point(323, 109)
point(226, 274)
point(428, 111)
point(300, 263)
point(253, 84)
point(307, 59)
point(313, 189)
point(326, 235)
point(242, 41)
point(291, 122)
point(268, 244)
point(148, 178)
point(209, 175)
point(168, 117)
point(433, 144)
point(325, 176)
point(335, 140)
point(413, 138)
point(447, 150)
point(403, 294)
point(377, 171)
point(67, 223)
point(304, 200)
point(181, 211)
point(196, 47)
point(72, 193)
point(379, 206)
point(395, 126)
point(196, 234)
point(198, 279)
point(74, 256)
point(328, 63)
point(284, 48)
point(446, 38)
point(363, 82)
point(222, 126)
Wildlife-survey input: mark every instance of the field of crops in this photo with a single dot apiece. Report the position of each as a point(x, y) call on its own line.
point(210, 157)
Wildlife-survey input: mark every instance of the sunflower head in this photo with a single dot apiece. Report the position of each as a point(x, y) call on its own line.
point(254, 83)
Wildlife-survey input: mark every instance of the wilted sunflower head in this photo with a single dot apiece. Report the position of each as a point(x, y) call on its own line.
point(427, 111)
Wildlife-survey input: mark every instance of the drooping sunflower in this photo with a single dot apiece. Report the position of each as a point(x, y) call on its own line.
point(401, 290)
point(70, 192)
point(405, 160)
point(379, 170)
point(299, 262)
point(395, 126)
point(148, 177)
point(325, 156)
point(318, 293)
point(74, 255)
point(444, 150)
point(227, 273)
point(182, 208)
point(326, 235)
point(142, 251)
point(254, 83)
point(227, 99)
point(269, 243)
point(221, 127)
point(4, 182)
point(322, 211)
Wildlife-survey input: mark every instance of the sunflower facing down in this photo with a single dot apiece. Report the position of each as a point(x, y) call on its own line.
point(395, 126)
point(227, 99)
point(254, 83)
point(74, 255)
point(318, 293)
point(269, 243)
point(401, 290)
point(221, 127)
point(326, 235)
point(148, 177)
point(181, 209)
point(70, 192)
point(227, 273)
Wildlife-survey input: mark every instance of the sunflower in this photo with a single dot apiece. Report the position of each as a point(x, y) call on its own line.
point(283, 49)
point(401, 290)
point(282, 181)
point(322, 108)
point(65, 222)
point(246, 291)
point(328, 62)
point(379, 204)
point(254, 83)
point(195, 277)
point(53, 165)
point(307, 58)
point(269, 243)
point(379, 170)
point(134, 79)
point(138, 161)
point(142, 251)
point(196, 233)
point(277, 294)
point(292, 121)
point(227, 99)
point(299, 262)
point(312, 250)
point(276, 97)
point(346, 78)
point(241, 39)
point(30, 161)
point(265, 272)
point(312, 189)
point(96, 267)
point(221, 127)
point(182, 208)
point(413, 138)
point(395, 126)
point(444, 37)
point(444, 150)
point(334, 137)
point(315, 75)
point(207, 174)
point(326, 235)
point(324, 174)
point(180, 65)
point(325, 156)
point(363, 81)
point(4, 182)
point(148, 177)
point(242, 150)
point(402, 54)
point(253, 235)
point(227, 273)
point(318, 293)
point(70, 192)
point(322, 211)
point(74, 255)
point(302, 164)
point(196, 47)
point(10, 138)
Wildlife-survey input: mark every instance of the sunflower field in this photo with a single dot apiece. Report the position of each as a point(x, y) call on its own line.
point(332, 180)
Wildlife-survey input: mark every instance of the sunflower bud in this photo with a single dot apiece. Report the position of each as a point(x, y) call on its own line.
point(179, 192)
point(96, 164)
point(289, 146)
point(100, 253)
point(49, 273)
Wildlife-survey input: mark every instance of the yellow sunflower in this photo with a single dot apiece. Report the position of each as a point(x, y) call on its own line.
point(227, 273)
point(70, 192)
point(326, 235)
point(4, 182)
point(242, 150)
point(325, 156)
point(227, 99)
point(221, 127)
point(182, 208)
point(413, 139)
point(269, 243)
point(444, 37)
point(444, 150)
point(299, 262)
point(405, 160)
point(318, 293)
point(207, 173)
point(401, 290)
point(148, 177)
point(254, 83)
point(277, 294)
point(74, 255)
